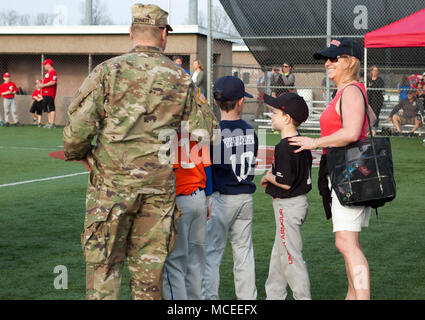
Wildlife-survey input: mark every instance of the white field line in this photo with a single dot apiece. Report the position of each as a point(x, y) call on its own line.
point(29, 148)
point(43, 179)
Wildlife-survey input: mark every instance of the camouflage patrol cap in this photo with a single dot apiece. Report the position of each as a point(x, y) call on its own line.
point(149, 14)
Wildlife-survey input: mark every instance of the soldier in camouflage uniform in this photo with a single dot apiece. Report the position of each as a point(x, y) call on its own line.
point(131, 210)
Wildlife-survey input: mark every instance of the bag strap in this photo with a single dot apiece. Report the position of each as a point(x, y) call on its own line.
point(365, 105)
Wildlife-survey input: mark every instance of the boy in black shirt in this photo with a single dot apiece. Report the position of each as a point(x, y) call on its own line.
point(288, 182)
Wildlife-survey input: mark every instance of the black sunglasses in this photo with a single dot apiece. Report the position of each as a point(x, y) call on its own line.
point(335, 59)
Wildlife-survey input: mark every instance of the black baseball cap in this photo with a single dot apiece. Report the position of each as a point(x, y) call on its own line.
point(339, 47)
point(290, 103)
point(229, 88)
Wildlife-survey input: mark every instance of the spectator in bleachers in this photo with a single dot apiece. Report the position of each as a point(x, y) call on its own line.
point(406, 112)
point(198, 76)
point(420, 93)
point(276, 80)
point(375, 97)
point(282, 78)
point(403, 84)
point(332, 86)
point(179, 62)
point(288, 77)
point(414, 80)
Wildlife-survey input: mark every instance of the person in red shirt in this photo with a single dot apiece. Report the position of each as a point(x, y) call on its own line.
point(342, 62)
point(48, 91)
point(37, 105)
point(8, 90)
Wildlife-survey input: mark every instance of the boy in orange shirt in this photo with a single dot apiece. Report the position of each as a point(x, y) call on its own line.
point(185, 266)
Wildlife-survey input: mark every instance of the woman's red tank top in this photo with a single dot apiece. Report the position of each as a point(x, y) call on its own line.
point(330, 120)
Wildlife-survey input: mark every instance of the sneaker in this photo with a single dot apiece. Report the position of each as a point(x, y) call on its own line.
point(34, 121)
point(7, 124)
point(18, 124)
point(47, 125)
point(411, 134)
point(1, 124)
point(40, 125)
point(52, 126)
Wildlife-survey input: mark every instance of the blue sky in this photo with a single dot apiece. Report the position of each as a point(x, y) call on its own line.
point(118, 10)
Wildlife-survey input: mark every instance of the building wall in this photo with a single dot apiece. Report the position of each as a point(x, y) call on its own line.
point(65, 44)
point(21, 55)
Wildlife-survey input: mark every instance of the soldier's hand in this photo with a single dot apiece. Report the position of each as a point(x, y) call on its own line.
point(264, 182)
point(86, 164)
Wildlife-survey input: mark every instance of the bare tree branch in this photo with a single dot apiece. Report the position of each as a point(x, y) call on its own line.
point(220, 21)
point(44, 19)
point(12, 18)
point(99, 11)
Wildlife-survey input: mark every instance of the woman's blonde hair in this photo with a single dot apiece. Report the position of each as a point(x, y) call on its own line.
point(353, 69)
point(200, 64)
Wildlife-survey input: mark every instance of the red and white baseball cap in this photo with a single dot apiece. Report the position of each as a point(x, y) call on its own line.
point(48, 61)
point(6, 75)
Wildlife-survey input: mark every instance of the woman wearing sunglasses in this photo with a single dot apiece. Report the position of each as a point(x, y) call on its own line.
point(342, 61)
point(288, 77)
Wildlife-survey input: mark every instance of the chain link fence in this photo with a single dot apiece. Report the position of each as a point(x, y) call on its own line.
point(25, 69)
point(271, 35)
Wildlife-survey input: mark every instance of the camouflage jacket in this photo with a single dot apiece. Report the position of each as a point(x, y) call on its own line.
point(127, 102)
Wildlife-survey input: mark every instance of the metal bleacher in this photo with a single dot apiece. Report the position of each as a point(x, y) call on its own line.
point(316, 108)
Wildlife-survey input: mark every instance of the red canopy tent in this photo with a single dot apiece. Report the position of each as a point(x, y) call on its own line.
point(406, 32)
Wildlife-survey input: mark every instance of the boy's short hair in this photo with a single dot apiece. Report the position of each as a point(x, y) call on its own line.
point(294, 122)
point(226, 105)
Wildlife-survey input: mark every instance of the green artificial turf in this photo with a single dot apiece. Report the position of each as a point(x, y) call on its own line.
point(41, 222)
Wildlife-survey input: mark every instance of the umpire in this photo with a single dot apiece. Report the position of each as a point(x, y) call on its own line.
point(131, 210)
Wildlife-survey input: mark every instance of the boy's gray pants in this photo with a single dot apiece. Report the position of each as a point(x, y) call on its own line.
point(287, 266)
point(9, 104)
point(185, 266)
point(230, 214)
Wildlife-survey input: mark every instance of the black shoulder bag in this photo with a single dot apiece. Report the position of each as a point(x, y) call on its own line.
point(361, 173)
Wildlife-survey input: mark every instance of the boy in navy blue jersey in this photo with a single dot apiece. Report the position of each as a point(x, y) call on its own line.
point(288, 182)
point(233, 165)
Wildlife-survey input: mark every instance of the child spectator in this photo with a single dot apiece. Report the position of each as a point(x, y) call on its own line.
point(403, 87)
point(288, 182)
point(8, 90)
point(37, 105)
point(233, 168)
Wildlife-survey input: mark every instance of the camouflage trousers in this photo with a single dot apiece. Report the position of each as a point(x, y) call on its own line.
point(118, 226)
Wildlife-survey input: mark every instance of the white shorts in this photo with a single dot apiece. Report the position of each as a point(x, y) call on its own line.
point(348, 218)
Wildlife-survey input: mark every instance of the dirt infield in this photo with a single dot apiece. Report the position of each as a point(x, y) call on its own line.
point(266, 154)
